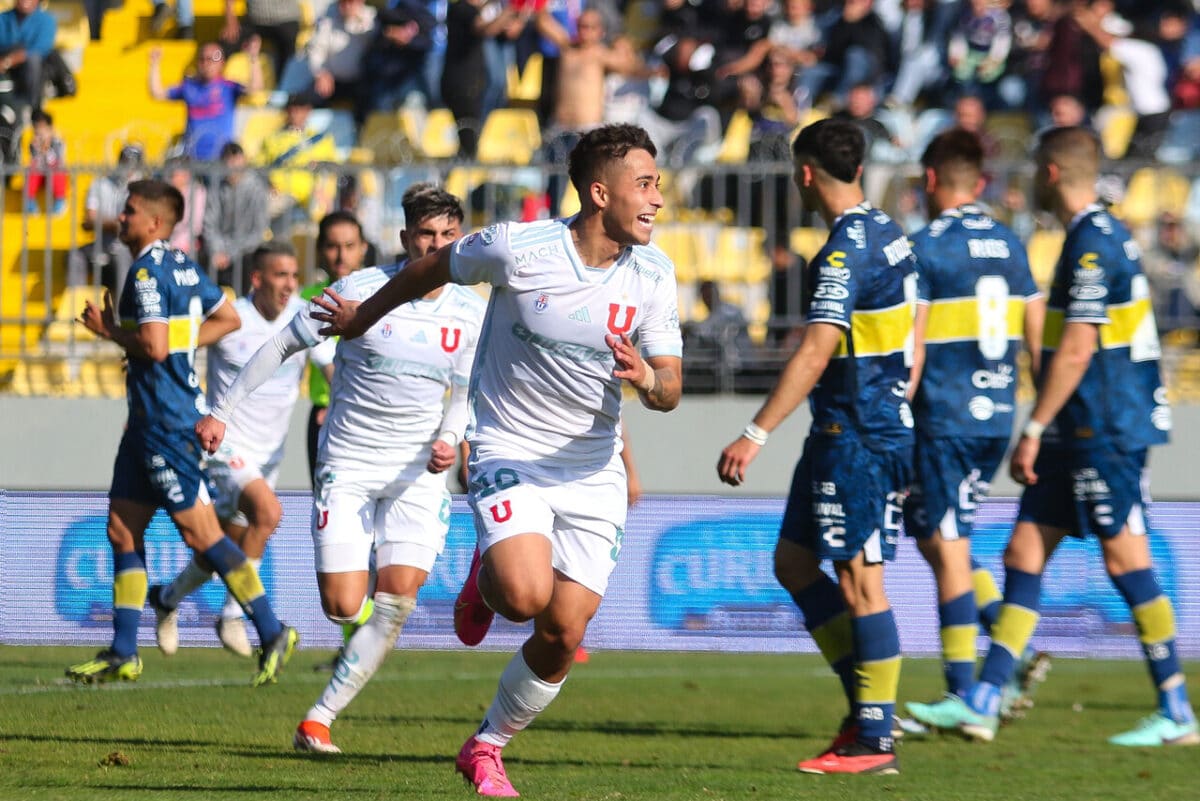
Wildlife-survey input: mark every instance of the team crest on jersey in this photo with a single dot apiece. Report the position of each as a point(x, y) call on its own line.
point(542, 302)
point(386, 330)
point(488, 235)
point(614, 311)
point(450, 339)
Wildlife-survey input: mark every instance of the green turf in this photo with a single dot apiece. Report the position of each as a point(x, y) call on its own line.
point(628, 726)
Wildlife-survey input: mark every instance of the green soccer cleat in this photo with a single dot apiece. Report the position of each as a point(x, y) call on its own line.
point(107, 666)
point(954, 714)
point(1158, 730)
point(275, 655)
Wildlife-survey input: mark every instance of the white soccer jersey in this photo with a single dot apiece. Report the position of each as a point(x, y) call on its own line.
point(259, 427)
point(389, 385)
point(543, 387)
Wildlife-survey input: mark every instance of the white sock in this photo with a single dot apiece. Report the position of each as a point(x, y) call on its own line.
point(192, 578)
point(365, 652)
point(232, 609)
point(520, 698)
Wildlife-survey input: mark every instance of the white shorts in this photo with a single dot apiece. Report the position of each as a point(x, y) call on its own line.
point(403, 519)
point(232, 469)
point(581, 510)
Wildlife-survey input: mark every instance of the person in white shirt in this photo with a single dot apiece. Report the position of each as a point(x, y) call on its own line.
point(246, 467)
point(384, 449)
point(578, 307)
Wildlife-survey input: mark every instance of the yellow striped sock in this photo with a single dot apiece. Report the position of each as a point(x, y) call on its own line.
point(986, 591)
point(958, 643)
point(877, 681)
point(1014, 627)
point(244, 584)
point(129, 589)
point(1155, 620)
point(834, 638)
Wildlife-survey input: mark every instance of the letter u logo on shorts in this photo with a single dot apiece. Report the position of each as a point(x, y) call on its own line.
point(322, 519)
point(613, 310)
point(501, 517)
point(447, 345)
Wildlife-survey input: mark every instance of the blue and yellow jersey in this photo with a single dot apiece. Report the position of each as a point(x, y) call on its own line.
point(864, 281)
point(1121, 402)
point(973, 273)
point(165, 286)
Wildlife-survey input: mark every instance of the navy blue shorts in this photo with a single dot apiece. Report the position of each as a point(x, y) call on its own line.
point(950, 478)
point(1088, 492)
point(160, 468)
point(846, 498)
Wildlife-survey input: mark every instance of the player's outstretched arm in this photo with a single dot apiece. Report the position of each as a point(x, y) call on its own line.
point(349, 319)
point(223, 320)
point(262, 365)
point(148, 342)
point(658, 380)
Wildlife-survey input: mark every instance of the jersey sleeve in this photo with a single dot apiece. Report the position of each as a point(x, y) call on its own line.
point(1022, 282)
point(834, 286)
point(658, 332)
point(307, 329)
point(150, 302)
point(1091, 269)
point(211, 295)
point(175, 92)
point(924, 285)
point(484, 257)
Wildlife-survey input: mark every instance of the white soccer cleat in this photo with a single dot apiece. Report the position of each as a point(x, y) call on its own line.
point(231, 631)
point(166, 622)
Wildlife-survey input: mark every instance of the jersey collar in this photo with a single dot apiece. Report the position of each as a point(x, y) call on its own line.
point(1087, 210)
point(158, 243)
point(857, 208)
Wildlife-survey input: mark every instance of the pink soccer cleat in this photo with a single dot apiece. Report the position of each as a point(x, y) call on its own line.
point(480, 764)
point(472, 617)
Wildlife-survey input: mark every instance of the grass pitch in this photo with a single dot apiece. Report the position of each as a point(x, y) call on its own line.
point(628, 726)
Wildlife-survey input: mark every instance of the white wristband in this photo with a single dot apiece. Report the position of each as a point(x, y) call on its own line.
point(449, 437)
point(756, 434)
point(653, 380)
point(1033, 430)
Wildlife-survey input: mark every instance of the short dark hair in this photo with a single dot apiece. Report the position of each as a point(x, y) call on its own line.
point(337, 218)
point(231, 149)
point(269, 248)
point(424, 200)
point(161, 193)
point(602, 145)
point(955, 151)
point(837, 146)
point(40, 116)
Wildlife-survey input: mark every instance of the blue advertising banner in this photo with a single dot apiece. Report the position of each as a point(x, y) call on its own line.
point(695, 573)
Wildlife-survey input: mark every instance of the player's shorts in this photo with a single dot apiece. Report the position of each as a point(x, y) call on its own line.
point(951, 477)
point(846, 498)
point(232, 469)
point(580, 509)
point(1088, 492)
point(401, 515)
point(160, 468)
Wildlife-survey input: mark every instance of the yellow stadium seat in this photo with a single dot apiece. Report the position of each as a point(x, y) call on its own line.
point(741, 255)
point(438, 133)
point(679, 243)
point(237, 69)
point(735, 145)
point(641, 22)
point(65, 328)
point(570, 201)
point(383, 134)
point(806, 242)
point(525, 87)
point(1044, 248)
point(1116, 130)
point(509, 136)
point(1152, 192)
point(1112, 77)
point(257, 125)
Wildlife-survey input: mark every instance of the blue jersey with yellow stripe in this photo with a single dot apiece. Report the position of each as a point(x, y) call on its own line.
point(864, 281)
point(165, 286)
point(974, 275)
point(1121, 402)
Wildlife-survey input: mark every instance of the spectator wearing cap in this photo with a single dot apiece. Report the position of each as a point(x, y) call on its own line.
point(293, 155)
point(26, 40)
point(235, 219)
point(210, 97)
point(106, 257)
point(331, 67)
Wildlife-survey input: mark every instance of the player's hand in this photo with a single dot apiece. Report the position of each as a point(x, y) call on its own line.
point(1020, 467)
point(341, 314)
point(737, 456)
point(100, 321)
point(441, 456)
point(210, 431)
point(630, 365)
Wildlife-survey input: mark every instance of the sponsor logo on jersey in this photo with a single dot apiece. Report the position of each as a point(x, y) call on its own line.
point(542, 302)
point(857, 234)
point(649, 273)
point(827, 272)
point(580, 315)
point(831, 291)
point(530, 255)
point(978, 224)
point(567, 350)
point(1001, 378)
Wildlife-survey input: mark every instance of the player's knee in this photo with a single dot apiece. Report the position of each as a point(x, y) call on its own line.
point(266, 517)
point(120, 539)
point(342, 610)
point(565, 637)
point(519, 604)
point(794, 574)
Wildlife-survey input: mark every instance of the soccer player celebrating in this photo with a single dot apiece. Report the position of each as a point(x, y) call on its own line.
point(853, 363)
point(975, 300)
point(1100, 406)
point(384, 447)
point(578, 306)
point(168, 308)
point(247, 464)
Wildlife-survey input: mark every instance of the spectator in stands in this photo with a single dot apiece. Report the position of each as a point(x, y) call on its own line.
point(236, 219)
point(979, 48)
point(1171, 266)
point(47, 155)
point(1072, 62)
point(797, 34)
point(556, 21)
point(186, 234)
point(1032, 28)
point(275, 22)
point(862, 108)
point(919, 44)
point(769, 97)
point(747, 38)
point(185, 19)
point(686, 118)
point(1144, 70)
point(858, 49)
point(294, 155)
point(970, 114)
point(26, 41)
point(435, 59)
point(106, 258)
point(332, 63)
point(396, 59)
point(209, 96)
point(1181, 143)
point(1066, 111)
point(95, 13)
point(717, 345)
point(470, 25)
